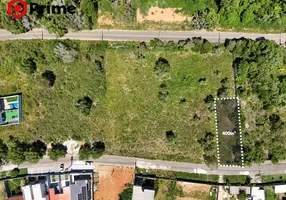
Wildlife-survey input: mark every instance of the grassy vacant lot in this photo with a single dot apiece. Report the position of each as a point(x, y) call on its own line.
point(126, 112)
point(49, 113)
point(227, 119)
point(273, 178)
point(237, 179)
point(179, 175)
point(138, 120)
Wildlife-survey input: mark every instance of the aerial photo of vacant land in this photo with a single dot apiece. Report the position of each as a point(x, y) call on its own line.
point(152, 100)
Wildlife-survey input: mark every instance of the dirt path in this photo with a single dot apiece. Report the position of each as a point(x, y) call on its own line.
point(112, 181)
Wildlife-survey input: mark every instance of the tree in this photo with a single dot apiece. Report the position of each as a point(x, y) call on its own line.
point(57, 151)
point(35, 151)
point(94, 150)
point(84, 152)
point(16, 152)
point(162, 66)
point(28, 66)
point(126, 194)
point(270, 194)
point(14, 173)
point(3, 152)
point(50, 77)
point(84, 105)
point(242, 195)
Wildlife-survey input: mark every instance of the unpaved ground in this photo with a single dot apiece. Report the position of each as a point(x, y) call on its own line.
point(104, 19)
point(112, 181)
point(158, 14)
point(194, 191)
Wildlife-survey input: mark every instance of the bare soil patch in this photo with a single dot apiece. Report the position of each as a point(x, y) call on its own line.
point(112, 181)
point(104, 19)
point(194, 191)
point(163, 15)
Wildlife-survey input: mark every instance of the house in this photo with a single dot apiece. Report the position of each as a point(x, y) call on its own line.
point(143, 189)
point(257, 193)
point(280, 189)
point(35, 191)
point(73, 187)
point(234, 190)
point(10, 109)
point(79, 190)
point(60, 196)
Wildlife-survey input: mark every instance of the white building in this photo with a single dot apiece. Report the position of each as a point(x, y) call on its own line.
point(35, 191)
point(257, 193)
point(280, 189)
point(140, 194)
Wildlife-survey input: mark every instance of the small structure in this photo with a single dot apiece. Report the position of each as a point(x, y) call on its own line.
point(10, 109)
point(234, 190)
point(280, 189)
point(257, 193)
point(143, 189)
point(36, 191)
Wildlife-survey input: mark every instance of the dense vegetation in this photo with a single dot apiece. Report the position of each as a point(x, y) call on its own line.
point(261, 81)
point(268, 15)
point(210, 14)
point(126, 194)
point(147, 100)
point(84, 18)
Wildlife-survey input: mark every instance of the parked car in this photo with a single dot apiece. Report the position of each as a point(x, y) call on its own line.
point(88, 162)
point(62, 167)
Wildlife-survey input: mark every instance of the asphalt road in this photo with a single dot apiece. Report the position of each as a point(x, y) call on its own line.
point(265, 169)
point(128, 35)
point(122, 35)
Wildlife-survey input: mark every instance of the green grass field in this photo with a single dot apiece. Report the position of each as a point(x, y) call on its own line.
point(179, 175)
point(138, 120)
point(129, 117)
point(273, 178)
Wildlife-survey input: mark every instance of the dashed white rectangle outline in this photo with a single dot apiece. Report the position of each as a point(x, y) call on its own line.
point(240, 133)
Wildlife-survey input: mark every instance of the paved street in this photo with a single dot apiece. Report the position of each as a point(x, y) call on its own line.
point(265, 169)
point(127, 35)
point(121, 35)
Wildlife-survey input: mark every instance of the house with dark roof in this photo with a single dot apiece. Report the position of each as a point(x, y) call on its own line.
point(79, 190)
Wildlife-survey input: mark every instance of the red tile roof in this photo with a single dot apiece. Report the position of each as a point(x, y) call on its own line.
point(64, 196)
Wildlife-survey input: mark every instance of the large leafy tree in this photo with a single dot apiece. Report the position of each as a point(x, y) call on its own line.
point(57, 151)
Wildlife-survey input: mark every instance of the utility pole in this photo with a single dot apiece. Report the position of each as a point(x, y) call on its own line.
point(101, 35)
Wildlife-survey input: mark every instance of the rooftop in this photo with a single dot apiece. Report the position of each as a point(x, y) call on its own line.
point(139, 194)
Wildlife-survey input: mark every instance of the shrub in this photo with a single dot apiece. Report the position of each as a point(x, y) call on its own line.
point(162, 66)
point(28, 66)
point(64, 53)
point(84, 105)
point(126, 194)
point(50, 77)
point(14, 173)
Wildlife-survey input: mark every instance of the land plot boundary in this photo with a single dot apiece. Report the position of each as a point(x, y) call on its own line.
point(235, 132)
